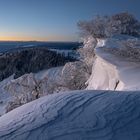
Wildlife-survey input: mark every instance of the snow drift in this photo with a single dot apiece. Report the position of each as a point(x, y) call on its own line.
point(78, 115)
point(115, 68)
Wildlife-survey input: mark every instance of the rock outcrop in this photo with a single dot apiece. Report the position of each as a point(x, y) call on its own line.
point(117, 65)
point(32, 86)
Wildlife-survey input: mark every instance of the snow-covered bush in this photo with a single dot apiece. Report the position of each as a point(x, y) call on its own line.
point(129, 49)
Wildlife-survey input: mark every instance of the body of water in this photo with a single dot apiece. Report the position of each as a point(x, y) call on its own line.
point(6, 46)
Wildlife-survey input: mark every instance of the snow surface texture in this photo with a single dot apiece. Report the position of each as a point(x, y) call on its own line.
point(113, 72)
point(78, 115)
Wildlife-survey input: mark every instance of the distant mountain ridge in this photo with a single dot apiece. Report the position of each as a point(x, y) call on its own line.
point(28, 60)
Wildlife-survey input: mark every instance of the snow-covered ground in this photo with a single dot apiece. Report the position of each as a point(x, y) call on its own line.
point(109, 72)
point(87, 114)
point(77, 115)
point(16, 92)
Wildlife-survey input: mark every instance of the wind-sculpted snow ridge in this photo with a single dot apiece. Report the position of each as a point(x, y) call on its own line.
point(77, 115)
point(117, 65)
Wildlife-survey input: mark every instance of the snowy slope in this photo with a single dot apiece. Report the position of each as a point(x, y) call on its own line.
point(16, 92)
point(5, 96)
point(77, 115)
point(112, 72)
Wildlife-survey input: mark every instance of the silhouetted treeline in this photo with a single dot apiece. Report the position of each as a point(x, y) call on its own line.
point(30, 60)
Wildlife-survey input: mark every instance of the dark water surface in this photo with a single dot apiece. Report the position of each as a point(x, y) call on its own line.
point(13, 45)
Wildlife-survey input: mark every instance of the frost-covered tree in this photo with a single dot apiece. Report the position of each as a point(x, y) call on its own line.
point(95, 27)
point(106, 26)
point(123, 23)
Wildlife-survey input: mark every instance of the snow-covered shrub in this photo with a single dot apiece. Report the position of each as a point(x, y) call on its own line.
point(132, 43)
point(129, 48)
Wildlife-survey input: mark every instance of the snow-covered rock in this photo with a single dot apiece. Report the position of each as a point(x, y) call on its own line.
point(78, 115)
point(74, 75)
point(35, 85)
point(112, 70)
point(104, 76)
point(87, 54)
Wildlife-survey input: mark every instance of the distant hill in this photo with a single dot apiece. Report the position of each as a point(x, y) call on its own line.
point(29, 60)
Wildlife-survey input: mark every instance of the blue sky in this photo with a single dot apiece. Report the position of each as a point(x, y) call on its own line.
point(54, 20)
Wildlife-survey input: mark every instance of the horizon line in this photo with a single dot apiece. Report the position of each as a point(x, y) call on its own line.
point(35, 41)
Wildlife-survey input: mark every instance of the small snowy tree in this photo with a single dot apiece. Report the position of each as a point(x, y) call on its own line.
point(95, 27)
